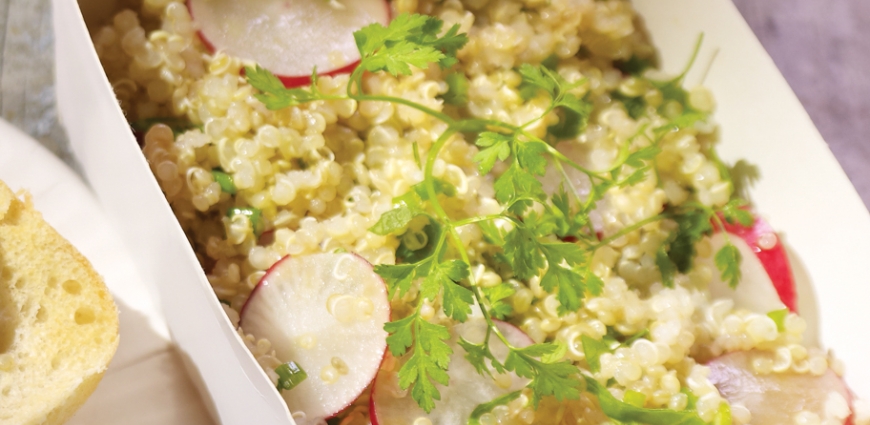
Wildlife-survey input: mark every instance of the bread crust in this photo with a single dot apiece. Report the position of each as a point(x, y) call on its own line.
point(57, 318)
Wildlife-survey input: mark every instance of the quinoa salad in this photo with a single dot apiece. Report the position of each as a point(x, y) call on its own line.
point(541, 212)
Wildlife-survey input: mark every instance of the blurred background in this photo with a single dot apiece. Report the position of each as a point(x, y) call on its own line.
point(821, 47)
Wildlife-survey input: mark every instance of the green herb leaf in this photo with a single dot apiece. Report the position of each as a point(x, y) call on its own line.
point(734, 213)
point(521, 246)
point(548, 379)
point(456, 299)
point(496, 296)
point(398, 277)
point(273, 93)
point(497, 148)
point(457, 89)
point(515, 183)
point(625, 412)
point(728, 262)
point(592, 350)
point(428, 361)
point(476, 354)
point(666, 266)
point(409, 40)
point(570, 287)
point(634, 398)
point(433, 232)
point(394, 219)
point(487, 407)
point(531, 157)
point(401, 335)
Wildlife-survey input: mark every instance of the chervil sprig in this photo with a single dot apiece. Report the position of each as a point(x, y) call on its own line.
point(536, 235)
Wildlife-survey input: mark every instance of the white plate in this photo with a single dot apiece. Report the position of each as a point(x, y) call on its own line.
point(145, 383)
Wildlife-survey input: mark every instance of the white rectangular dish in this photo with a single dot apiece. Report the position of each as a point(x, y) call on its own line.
point(803, 192)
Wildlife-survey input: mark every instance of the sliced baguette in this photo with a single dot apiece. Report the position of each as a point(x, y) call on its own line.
point(58, 323)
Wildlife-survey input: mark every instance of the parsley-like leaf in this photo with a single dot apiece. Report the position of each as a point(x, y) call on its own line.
point(496, 148)
point(728, 262)
point(397, 277)
point(666, 266)
point(515, 183)
point(734, 213)
point(522, 248)
point(496, 296)
point(592, 350)
point(401, 335)
point(273, 93)
point(394, 219)
point(531, 156)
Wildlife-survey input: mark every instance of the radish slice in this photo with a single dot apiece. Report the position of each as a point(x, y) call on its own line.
point(288, 37)
point(466, 390)
point(777, 398)
point(767, 283)
point(326, 312)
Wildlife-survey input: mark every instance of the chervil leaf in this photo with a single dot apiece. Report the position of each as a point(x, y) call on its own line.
point(457, 301)
point(570, 285)
point(401, 335)
point(531, 156)
point(431, 337)
point(640, 157)
point(734, 213)
point(535, 77)
point(497, 148)
point(394, 219)
point(496, 296)
point(409, 40)
point(476, 354)
point(548, 379)
point(693, 225)
point(594, 284)
point(557, 252)
point(397, 277)
point(728, 262)
point(457, 89)
point(592, 350)
point(443, 278)
point(433, 232)
point(522, 248)
point(667, 267)
point(557, 355)
point(517, 183)
point(273, 93)
point(440, 186)
point(428, 361)
point(627, 413)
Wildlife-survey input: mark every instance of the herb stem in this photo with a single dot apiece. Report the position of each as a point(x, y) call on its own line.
point(411, 104)
point(626, 230)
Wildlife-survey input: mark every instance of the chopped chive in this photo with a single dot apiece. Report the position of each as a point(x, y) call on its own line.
point(224, 180)
point(289, 376)
point(255, 216)
point(778, 317)
point(634, 398)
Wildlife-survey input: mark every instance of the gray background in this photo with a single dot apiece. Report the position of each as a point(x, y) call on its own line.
point(822, 48)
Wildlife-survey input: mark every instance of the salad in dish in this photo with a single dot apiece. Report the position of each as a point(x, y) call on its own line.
point(479, 212)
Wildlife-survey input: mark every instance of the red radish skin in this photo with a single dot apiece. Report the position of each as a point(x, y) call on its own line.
point(773, 258)
point(766, 282)
point(310, 308)
point(774, 398)
point(466, 390)
point(287, 37)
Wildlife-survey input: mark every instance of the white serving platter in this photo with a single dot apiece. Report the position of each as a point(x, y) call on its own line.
point(145, 382)
point(803, 192)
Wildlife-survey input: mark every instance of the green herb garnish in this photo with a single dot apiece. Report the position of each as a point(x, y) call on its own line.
point(289, 376)
point(254, 215)
point(435, 259)
point(224, 180)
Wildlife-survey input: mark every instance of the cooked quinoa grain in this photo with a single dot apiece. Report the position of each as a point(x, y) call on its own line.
point(323, 173)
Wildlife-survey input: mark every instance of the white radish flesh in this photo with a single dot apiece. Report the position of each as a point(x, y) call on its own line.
point(756, 291)
point(288, 37)
point(326, 312)
point(777, 398)
point(466, 389)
